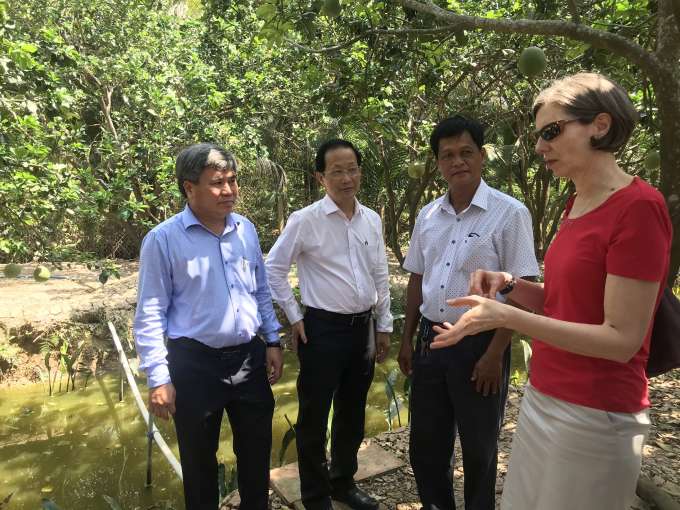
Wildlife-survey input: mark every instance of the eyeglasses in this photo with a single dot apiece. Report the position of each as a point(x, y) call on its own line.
point(338, 174)
point(553, 130)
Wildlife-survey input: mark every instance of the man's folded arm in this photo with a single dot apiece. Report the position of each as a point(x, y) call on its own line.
point(153, 298)
point(279, 260)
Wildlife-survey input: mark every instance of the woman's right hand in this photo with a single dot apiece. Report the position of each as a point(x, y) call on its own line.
point(487, 283)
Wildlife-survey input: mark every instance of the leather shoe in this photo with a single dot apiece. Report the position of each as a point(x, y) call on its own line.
point(356, 499)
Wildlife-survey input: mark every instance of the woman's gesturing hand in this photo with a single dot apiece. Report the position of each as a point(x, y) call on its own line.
point(487, 283)
point(484, 314)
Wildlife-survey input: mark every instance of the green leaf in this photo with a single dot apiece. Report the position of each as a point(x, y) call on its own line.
point(222, 480)
point(29, 48)
point(112, 502)
point(233, 480)
point(43, 374)
point(287, 440)
point(664, 446)
point(134, 366)
point(527, 356)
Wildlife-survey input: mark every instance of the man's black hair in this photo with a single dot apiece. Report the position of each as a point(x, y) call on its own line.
point(335, 143)
point(455, 126)
point(192, 162)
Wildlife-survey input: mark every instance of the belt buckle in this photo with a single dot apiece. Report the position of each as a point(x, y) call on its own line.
point(357, 317)
point(229, 355)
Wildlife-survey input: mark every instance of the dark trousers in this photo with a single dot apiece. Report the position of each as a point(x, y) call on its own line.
point(443, 399)
point(336, 365)
point(206, 386)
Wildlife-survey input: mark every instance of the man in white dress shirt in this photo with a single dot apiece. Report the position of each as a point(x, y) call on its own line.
point(463, 386)
point(342, 268)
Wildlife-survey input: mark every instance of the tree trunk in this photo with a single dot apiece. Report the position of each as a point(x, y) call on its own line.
point(391, 206)
point(666, 81)
point(668, 99)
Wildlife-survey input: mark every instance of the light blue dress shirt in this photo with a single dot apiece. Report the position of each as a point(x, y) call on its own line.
point(195, 284)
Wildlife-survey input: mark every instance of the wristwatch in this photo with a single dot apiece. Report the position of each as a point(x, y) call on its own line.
point(276, 344)
point(508, 288)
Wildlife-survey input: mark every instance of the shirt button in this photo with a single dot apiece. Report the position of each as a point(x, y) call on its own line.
point(448, 263)
point(240, 333)
point(457, 219)
point(232, 286)
point(441, 309)
point(453, 242)
point(442, 286)
point(238, 310)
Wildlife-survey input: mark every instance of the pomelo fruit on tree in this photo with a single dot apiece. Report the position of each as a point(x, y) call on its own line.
point(652, 161)
point(532, 62)
point(11, 270)
point(41, 274)
point(416, 170)
point(331, 8)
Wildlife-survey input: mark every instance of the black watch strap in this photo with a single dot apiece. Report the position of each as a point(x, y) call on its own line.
point(276, 344)
point(509, 287)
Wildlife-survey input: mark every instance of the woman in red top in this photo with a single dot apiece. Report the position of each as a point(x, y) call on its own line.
point(584, 418)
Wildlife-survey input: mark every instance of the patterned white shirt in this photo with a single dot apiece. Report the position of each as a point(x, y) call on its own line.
point(493, 233)
point(341, 263)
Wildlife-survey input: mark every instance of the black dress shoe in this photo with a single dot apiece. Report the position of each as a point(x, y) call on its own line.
point(356, 499)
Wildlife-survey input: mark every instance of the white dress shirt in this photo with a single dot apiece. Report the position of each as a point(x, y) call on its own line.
point(494, 233)
point(341, 263)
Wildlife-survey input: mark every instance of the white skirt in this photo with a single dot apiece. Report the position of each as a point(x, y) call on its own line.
point(570, 457)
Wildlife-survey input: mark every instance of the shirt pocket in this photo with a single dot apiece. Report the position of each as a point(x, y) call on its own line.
point(478, 253)
point(370, 256)
point(245, 269)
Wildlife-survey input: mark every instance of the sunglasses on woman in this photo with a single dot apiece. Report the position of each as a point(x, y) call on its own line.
point(551, 131)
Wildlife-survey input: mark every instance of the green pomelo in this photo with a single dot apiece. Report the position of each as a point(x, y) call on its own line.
point(532, 62)
point(652, 161)
point(461, 38)
point(416, 170)
point(331, 8)
point(11, 270)
point(41, 274)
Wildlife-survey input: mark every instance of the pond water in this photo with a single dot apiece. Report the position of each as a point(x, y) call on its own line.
point(76, 447)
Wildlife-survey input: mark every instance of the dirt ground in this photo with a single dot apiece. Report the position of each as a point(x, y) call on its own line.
point(660, 459)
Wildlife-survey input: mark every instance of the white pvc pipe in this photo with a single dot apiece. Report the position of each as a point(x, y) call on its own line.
point(174, 463)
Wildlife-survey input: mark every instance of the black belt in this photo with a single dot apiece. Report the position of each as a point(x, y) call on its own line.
point(353, 319)
point(222, 352)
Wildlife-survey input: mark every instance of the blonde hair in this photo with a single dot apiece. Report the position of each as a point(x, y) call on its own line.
point(586, 95)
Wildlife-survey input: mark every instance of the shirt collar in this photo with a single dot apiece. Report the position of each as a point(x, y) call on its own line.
point(481, 198)
point(329, 206)
point(189, 219)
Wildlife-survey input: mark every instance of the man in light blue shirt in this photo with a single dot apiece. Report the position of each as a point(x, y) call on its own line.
point(203, 284)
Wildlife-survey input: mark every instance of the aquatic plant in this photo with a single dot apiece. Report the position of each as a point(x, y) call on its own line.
point(287, 439)
point(394, 403)
point(227, 488)
point(6, 500)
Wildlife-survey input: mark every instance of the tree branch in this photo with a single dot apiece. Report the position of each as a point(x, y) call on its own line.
point(573, 10)
point(676, 10)
point(369, 33)
point(644, 59)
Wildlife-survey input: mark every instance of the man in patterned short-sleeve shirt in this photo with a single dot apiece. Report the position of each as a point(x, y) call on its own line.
point(463, 387)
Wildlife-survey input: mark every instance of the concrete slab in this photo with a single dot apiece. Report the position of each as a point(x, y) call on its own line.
point(374, 462)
